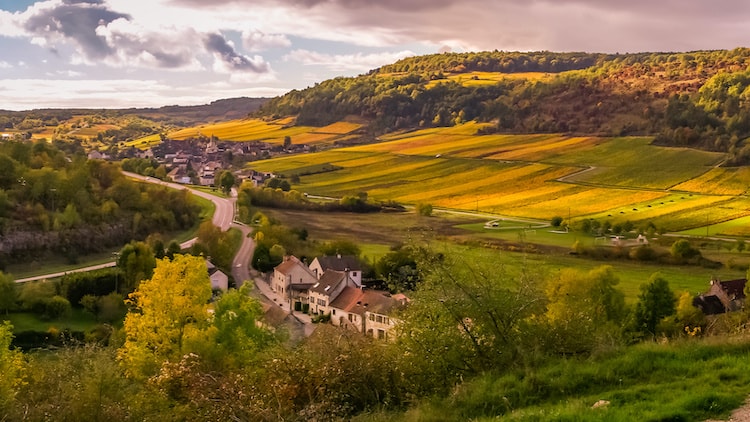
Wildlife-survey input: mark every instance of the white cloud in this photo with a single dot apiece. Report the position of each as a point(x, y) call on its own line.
point(5, 65)
point(258, 41)
point(25, 94)
point(345, 62)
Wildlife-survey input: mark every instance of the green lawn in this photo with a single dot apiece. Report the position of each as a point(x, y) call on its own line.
point(80, 320)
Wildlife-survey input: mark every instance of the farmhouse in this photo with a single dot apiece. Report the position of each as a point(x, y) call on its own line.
point(722, 296)
point(292, 279)
point(328, 287)
point(345, 263)
point(366, 311)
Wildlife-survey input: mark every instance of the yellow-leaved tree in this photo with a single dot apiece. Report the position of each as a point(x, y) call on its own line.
point(11, 370)
point(169, 316)
point(584, 309)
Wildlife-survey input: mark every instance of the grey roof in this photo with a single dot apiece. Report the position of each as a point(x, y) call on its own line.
point(339, 263)
point(328, 281)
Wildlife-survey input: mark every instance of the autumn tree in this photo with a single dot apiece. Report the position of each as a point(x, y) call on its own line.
point(169, 315)
point(11, 368)
point(583, 309)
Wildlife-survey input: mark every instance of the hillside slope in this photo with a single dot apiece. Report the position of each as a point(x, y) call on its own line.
point(695, 99)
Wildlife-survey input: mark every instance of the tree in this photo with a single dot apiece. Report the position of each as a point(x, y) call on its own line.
point(287, 142)
point(226, 181)
point(556, 221)
point(57, 307)
point(340, 247)
point(682, 250)
point(466, 318)
point(137, 263)
point(424, 209)
point(741, 246)
point(655, 302)
point(583, 309)
point(238, 335)
point(169, 316)
point(11, 368)
point(8, 293)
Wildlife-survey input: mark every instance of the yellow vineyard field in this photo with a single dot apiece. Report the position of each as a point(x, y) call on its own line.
point(533, 176)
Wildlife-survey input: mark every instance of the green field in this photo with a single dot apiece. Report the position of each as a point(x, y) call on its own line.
point(536, 176)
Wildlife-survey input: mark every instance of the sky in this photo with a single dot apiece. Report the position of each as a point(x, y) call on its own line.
point(151, 53)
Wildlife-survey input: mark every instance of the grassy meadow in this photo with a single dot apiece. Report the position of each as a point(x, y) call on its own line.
point(536, 176)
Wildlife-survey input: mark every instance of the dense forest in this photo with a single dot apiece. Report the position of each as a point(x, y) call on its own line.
point(53, 201)
point(696, 99)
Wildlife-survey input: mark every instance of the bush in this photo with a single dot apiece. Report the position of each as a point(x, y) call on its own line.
point(643, 253)
point(57, 307)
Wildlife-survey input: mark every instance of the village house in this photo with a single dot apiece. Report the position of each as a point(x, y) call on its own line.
point(346, 263)
point(366, 311)
point(219, 280)
point(328, 287)
point(292, 279)
point(722, 296)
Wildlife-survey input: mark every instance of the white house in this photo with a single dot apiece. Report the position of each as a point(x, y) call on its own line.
point(292, 279)
point(219, 280)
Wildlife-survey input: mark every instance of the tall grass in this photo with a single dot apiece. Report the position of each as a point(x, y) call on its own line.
point(687, 380)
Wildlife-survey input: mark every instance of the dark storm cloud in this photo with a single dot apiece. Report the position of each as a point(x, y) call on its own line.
point(77, 21)
point(216, 44)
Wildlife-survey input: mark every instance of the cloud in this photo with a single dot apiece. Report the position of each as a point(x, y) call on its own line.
point(24, 94)
point(229, 61)
point(76, 21)
point(345, 62)
point(258, 41)
point(136, 45)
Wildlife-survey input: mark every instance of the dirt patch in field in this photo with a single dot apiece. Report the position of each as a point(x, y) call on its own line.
point(377, 228)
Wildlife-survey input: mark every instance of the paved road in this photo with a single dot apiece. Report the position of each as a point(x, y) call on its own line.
point(241, 261)
point(224, 214)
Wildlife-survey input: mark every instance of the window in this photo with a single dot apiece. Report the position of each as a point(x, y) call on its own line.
point(379, 319)
point(354, 274)
point(372, 317)
point(350, 317)
point(333, 311)
point(381, 334)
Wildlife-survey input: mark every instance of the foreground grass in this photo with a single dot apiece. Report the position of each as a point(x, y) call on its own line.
point(688, 380)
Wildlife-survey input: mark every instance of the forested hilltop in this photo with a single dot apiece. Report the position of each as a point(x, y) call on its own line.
point(696, 99)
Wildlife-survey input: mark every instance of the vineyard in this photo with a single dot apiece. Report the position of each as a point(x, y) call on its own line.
point(534, 176)
point(248, 130)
